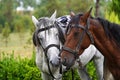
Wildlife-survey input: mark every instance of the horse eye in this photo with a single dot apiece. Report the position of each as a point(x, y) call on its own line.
point(41, 39)
point(76, 34)
point(57, 34)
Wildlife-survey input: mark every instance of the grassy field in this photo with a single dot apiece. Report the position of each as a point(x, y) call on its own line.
point(18, 45)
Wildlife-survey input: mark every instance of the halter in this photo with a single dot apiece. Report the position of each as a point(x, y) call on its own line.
point(85, 30)
point(46, 49)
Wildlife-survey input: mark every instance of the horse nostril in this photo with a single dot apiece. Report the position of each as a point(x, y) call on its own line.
point(59, 58)
point(51, 62)
point(64, 61)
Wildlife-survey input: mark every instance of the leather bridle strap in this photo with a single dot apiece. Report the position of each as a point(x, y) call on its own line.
point(74, 52)
point(85, 30)
point(46, 28)
point(49, 46)
point(45, 50)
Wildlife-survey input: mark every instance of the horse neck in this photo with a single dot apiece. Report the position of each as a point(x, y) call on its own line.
point(39, 52)
point(108, 48)
point(102, 43)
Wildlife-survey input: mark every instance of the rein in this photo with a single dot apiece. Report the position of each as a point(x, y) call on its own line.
point(85, 30)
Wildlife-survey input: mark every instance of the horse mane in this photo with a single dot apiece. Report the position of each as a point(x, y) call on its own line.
point(61, 35)
point(35, 39)
point(112, 30)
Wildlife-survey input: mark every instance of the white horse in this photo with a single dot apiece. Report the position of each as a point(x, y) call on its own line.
point(46, 35)
point(47, 45)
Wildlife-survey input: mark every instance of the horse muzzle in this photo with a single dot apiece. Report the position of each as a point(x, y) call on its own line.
point(55, 62)
point(67, 62)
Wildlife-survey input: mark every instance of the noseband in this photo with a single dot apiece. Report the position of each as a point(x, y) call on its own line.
point(85, 30)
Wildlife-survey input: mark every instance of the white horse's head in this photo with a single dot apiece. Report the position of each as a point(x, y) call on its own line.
point(46, 36)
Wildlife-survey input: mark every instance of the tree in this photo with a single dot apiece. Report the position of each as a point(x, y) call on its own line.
point(112, 17)
point(6, 33)
point(97, 8)
point(79, 5)
point(6, 12)
point(19, 28)
point(115, 6)
point(28, 3)
point(63, 7)
point(1, 28)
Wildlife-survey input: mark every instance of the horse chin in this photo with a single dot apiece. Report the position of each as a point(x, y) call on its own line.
point(55, 62)
point(68, 64)
point(55, 65)
point(66, 68)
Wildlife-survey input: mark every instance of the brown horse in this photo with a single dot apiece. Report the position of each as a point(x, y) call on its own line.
point(84, 30)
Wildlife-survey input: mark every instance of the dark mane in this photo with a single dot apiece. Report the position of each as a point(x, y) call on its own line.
point(112, 30)
point(61, 35)
point(77, 17)
point(35, 39)
point(44, 21)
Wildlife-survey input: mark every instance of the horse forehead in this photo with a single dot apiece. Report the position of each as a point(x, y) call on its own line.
point(44, 22)
point(50, 33)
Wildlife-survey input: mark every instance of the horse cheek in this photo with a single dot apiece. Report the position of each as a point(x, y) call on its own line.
point(86, 42)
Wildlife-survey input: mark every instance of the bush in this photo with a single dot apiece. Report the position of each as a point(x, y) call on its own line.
point(12, 68)
point(18, 69)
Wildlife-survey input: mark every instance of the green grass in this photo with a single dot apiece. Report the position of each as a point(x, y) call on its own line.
point(18, 45)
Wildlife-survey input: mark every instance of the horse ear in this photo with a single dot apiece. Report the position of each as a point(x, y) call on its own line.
point(72, 14)
point(87, 14)
point(53, 17)
point(35, 21)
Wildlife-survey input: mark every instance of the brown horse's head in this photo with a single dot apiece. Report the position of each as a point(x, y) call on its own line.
point(77, 38)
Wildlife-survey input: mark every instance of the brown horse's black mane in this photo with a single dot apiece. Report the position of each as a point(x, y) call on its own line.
point(112, 30)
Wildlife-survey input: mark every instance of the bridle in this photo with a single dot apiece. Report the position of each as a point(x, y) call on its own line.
point(62, 39)
point(48, 47)
point(85, 31)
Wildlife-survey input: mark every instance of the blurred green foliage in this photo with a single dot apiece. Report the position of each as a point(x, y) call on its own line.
point(115, 7)
point(6, 33)
point(112, 17)
point(42, 8)
point(18, 68)
point(63, 7)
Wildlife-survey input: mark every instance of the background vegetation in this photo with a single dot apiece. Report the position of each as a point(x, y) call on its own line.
point(17, 57)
